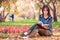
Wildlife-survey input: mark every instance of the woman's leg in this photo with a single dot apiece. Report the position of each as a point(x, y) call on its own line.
point(44, 32)
point(34, 30)
point(34, 33)
point(34, 27)
point(31, 29)
point(41, 31)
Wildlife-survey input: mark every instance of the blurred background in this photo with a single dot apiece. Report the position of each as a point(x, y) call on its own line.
point(26, 11)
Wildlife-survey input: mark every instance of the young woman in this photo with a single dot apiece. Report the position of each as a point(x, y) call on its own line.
point(43, 27)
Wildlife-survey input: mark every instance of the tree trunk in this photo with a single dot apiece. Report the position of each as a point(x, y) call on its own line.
point(2, 19)
point(3, 12)
point(0, 1)
point(54, 13)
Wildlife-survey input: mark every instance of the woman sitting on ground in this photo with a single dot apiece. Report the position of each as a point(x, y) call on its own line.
point(43, 27)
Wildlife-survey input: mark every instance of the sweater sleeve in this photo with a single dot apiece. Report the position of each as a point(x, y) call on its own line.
point(40, 17)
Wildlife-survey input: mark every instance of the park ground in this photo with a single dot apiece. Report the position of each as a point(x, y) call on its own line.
point(10, 30)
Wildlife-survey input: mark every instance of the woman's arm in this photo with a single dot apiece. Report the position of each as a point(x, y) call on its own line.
point(48, 23)
point(45, 26)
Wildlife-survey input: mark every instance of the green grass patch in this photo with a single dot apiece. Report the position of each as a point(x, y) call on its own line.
point(19, 22)
point(25, 22)
point(56, 24)
point(3, 35)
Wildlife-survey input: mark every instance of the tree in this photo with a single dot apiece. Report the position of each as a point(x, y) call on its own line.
point(2, 13)
point(54, 10)
point(46, 2)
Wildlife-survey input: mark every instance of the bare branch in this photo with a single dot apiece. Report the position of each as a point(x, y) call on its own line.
point(6, 15)
point(48, 2)
point(53, 1)
point(50, 8)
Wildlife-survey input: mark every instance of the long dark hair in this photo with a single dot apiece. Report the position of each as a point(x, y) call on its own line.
point(46, 6)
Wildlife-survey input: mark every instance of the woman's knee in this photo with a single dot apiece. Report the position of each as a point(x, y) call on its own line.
point(34, 33)
point(48, 33)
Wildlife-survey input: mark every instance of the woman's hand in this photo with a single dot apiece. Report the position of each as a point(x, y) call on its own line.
point(45, 26)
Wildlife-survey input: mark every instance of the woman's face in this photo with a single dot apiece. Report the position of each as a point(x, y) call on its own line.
point(45, 11)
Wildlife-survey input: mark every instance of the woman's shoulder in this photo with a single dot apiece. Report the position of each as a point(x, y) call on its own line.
point(50, 16)
point(41, 15)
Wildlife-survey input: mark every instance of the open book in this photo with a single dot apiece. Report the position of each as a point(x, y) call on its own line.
point(41, 23)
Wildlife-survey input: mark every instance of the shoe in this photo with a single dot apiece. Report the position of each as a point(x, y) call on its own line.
point(23, 36)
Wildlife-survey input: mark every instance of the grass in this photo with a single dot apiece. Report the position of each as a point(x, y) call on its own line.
point(3, 35)
point(19, 22)
point(25, 22)
point(56, 24)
